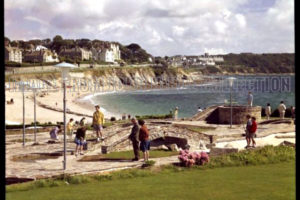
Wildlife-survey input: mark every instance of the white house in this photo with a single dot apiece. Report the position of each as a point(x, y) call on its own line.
point(116, 51)
point(107, 55)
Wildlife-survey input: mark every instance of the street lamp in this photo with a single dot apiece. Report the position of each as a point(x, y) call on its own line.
point(34, 89)
point(231, 79)
point(22, 86)
point(65, 67)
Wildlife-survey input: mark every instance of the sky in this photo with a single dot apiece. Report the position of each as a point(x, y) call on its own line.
point(161, 27)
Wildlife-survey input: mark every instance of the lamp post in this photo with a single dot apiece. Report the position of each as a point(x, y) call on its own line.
point(231, 79)
point(22, 86)
point(65, 67)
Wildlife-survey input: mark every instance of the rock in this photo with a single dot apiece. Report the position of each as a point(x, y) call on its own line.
point(172, 147)
point(162, 147)
point(219, 151)
point(287, 143)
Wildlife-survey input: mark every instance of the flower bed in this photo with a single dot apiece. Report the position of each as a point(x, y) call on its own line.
point(188, 159)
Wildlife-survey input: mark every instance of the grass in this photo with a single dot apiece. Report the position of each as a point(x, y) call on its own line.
point(163, 116)
point(273, 181)
point(277, 156)
point(127, 155)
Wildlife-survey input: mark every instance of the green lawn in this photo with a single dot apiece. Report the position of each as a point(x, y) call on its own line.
point(271, 181)
point(126, 155)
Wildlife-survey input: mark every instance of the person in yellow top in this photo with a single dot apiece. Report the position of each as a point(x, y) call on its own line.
point(70, 127)
point(98, 121)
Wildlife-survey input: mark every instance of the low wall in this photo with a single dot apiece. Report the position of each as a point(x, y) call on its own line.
point(238, 114)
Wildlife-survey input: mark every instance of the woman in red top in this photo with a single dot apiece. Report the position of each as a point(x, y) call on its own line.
point(144, 138)
point(252, 131)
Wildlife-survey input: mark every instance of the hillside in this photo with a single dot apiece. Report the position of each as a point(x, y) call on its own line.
point(260, 63)
point(131, 54)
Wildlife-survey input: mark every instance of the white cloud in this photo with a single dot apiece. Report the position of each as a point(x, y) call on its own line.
point(241, 20)
point(220, 26)
point(162, 27)
point(178, 30)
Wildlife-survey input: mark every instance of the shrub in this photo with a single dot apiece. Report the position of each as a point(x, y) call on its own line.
point(112, 119)
point(188, 159)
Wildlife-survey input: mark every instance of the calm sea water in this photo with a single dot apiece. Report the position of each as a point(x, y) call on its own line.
point(265, 89)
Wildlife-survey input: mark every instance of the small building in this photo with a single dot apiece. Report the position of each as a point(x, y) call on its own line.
point(41, 56)
point(76, 53)
point(13, 54)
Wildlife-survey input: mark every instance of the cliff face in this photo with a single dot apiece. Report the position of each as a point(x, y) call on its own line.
point(138, 77)
point(119, 77)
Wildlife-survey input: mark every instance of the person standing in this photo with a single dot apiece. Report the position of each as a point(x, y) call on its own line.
point(70, 127)
point(253, 131)
point(248, 127)
point(293, 112)
point(281, 109)
point(134, 137)
point(144, 138)
point(98, 121)
point(250, 99)
point(175, 113)
point(268, 111)
point(199, 109)
point(80, 139)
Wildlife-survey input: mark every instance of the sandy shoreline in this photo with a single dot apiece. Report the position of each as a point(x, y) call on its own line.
point(77, 101)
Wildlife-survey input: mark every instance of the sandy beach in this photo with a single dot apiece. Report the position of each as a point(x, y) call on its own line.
point(78, 102)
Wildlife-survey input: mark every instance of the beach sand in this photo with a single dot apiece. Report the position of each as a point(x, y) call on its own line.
point(52, 98)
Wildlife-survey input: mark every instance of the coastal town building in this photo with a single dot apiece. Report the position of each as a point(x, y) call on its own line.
point(202, 60)
point(41, 56)
point(13, 54)
point(116, 51)
point(76, 53)
point(103, 54)
point(40, 47)
point(107, 55)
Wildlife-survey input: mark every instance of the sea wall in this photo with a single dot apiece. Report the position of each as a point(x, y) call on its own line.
point(238, 114)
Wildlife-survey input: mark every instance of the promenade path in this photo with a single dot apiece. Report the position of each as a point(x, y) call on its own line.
point(52, 165)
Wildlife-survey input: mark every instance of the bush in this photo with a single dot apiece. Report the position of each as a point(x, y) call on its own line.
point(112, 119)
point(188, 159)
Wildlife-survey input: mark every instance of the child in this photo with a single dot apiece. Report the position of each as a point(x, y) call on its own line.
point(253, 131)
point(54, 132)
point(80, 139)
point(248, 127)
point(70, 127)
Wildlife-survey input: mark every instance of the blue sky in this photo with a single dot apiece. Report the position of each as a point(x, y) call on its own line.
point(162, 27)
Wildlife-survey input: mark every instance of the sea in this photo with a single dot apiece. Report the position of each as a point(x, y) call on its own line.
point(188, 97)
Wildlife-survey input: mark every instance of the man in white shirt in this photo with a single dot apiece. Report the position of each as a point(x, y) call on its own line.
point(281, 109)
